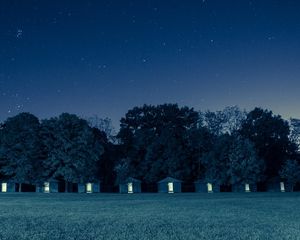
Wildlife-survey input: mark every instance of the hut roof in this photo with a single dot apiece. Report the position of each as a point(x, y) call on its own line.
point(169, 179)
point(9, 181)
point(131, 179)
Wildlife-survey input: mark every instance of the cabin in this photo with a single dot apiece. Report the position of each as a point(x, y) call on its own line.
point(206, 187)
point(9, 186)
point(169, 185)
point(130, 185)
point(81, 188)
point(50, 186)
point(277, 185)
point(90, 187)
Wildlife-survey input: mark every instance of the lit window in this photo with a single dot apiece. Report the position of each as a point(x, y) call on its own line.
point(4, 187)
point(130, 187)
point(170, 187)
point(46, 187)
point(209, 188)
point(89, 188)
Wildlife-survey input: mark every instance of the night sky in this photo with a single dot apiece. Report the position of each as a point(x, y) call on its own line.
point(105, 57)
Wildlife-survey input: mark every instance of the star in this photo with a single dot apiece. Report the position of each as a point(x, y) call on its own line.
point(19, 33)
point(19, 107)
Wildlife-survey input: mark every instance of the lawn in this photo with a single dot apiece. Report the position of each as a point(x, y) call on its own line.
point(150, 216)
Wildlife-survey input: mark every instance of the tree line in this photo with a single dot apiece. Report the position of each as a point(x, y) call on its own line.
point(227, 147)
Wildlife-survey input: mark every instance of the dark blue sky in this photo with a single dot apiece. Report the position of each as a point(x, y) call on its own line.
point(104, 57)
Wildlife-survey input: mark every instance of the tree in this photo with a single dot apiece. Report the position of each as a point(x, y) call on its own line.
point(73, 149)
point(214, 122)
point(104, 125)
point(200, 142)
point(244, 164)
point(229, 120)
point(154, 140)
point(216, 161)
point(122, 170)
point(2, 157)
point(168, 155)
point(290, 171)
point(295, 132)
point(270, 135)
point(112, 154)
point(20, 149)
point(234, 118)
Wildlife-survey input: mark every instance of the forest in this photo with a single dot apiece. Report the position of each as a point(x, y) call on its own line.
point(226, 147)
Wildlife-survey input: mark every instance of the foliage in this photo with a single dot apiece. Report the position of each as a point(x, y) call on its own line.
point(122, 170)
point(227, 121)
point(295, 132)
point(167, 155)
point(155, 141)
point(20, 149)
point(270, 135)
point(216, 161)
point(222, 147)
point(244, 164)
point(104, 125)
point(72, 147)
point(200, 141)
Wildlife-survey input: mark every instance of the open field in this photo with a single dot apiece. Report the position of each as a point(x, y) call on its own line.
point(150, 216)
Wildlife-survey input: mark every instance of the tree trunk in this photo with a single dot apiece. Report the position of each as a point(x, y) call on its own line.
point(66, 186)
point(20, 187)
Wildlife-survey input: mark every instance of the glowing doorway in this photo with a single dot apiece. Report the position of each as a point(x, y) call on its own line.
point(170, 187)
point(89, 188)
point(46, 187)
point(209, 188)
point(130, 187)
point(4, 187)
point(282, 188)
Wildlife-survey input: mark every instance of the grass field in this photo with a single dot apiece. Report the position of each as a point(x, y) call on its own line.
point(150, 216)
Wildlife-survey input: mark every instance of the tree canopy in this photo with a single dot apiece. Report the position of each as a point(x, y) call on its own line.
point(20, 149)
point(270, 136)
point(225, 147)
point(72, 149)
point(155, 141)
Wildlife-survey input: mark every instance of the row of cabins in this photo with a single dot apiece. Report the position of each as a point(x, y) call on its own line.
point(132, 185)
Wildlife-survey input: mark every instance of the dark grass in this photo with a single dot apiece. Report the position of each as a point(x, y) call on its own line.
point(150, 216)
